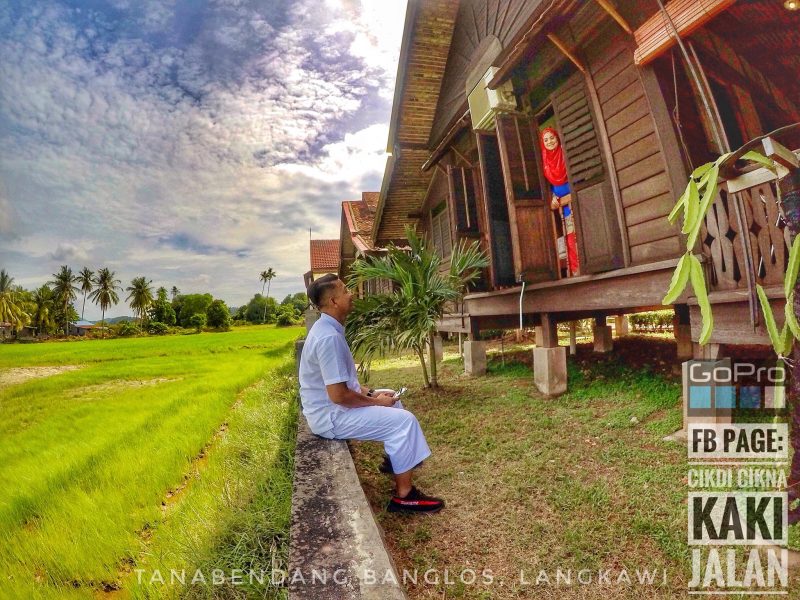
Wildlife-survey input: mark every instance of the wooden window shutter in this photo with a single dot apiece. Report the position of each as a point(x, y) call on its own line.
point(440, 231)
point(447, 245)
point(656, 35)
point(577, 134)
point(593, 203)
point(532, 235)
point(436, 234)
point(462, 198)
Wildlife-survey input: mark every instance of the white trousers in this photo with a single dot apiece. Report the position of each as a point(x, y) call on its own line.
point(396, 427)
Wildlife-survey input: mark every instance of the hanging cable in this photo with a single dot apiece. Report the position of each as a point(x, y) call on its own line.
point(676, 115)
point(718, 138)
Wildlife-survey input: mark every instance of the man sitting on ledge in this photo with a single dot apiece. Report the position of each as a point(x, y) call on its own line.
point(338, 407)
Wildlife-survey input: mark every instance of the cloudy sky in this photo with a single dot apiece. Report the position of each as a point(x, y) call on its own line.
point(191, 141)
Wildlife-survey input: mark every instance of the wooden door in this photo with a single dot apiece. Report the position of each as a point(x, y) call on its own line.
point(593, 203)
point(532, 238)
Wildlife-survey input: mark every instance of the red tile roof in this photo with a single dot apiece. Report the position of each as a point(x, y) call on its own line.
point(324, 256)
point(360, 215)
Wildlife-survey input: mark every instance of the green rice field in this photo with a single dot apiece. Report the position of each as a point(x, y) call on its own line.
point(126, 462)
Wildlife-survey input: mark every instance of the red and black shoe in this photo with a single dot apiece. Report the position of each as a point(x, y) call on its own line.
point(415, 501)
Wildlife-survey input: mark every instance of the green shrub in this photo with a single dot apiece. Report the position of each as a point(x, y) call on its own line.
point(163, 312)
point(218, 315)
point(658, 320)
point(157, 328)
point(287, 315)
point(128, 329)
point(198, 321)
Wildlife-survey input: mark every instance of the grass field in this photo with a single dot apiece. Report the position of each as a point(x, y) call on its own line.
point(581, 481)
point(145, 454)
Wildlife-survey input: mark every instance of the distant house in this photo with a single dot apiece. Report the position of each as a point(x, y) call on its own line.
point(82, 327)
point(358, 219)
point(7, 330)
point(324, 259)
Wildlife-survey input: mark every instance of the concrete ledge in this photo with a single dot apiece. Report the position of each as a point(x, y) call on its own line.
point(333, 530)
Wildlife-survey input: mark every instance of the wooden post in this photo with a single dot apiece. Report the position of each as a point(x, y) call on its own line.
point(546, 333)
point(573, 338)
point(682, 330)
point(603, 341)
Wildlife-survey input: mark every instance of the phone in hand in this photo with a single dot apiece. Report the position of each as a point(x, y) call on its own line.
point(400, 392)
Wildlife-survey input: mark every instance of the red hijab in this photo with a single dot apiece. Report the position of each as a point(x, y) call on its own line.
point(555, 169)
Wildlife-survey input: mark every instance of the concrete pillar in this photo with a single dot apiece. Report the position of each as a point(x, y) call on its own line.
point(621, 325)
point(603, 342)
point(312, 315)
point(438, 348)
point(475, 358)
point(549, 359)
point(550, 370)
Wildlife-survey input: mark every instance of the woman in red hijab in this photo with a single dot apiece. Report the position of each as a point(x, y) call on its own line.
point(555, 171)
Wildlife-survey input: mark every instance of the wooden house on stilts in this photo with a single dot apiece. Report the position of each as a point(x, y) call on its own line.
point(637, 94)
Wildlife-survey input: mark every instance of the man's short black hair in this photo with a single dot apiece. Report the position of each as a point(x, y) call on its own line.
point(319, 288)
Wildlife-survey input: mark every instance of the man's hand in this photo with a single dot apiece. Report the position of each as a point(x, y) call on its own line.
point(340, 394)
point(385, 399)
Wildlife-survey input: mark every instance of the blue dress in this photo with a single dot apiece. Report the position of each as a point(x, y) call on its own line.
point(561, 191)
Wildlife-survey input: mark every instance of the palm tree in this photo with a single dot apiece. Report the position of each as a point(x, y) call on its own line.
point(43, 309)
point(175, 292)
point(11, 307)
point(65, 292)
point(84, 279)
point(105, 291)
point(266, 278)
point(161, 294)
point(140, 297)
point(406, 317)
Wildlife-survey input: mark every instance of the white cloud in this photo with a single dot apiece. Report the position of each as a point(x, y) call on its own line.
point(69, 253)
point(181, 146)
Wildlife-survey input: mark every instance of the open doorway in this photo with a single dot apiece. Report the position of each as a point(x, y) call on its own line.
point(499, 227)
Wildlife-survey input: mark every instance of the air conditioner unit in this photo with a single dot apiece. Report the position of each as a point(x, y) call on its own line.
point(485, 103)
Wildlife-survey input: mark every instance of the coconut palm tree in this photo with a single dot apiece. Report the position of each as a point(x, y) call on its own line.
point(175, 292)
point(140, 297)
point(266, 278)
point(105, 291)
point(84, 279)
point(43, 309)
point(161, 294)
point(11, 305)
point(406, 317)
point(65, 292)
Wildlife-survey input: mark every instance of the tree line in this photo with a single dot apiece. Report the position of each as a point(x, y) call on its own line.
point(50, 308)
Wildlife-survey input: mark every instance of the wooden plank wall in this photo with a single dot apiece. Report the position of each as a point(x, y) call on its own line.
point(645, 186)
point(476, 20)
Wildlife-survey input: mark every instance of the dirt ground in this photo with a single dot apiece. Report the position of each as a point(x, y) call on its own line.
point(23, 374)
